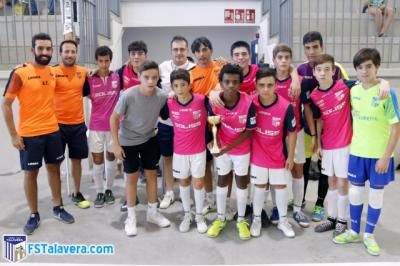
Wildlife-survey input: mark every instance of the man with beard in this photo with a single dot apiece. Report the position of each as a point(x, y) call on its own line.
point(38, 134)
point(68, 99)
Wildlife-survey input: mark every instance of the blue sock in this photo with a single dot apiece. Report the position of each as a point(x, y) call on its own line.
point(372, 219)
point(355, 217)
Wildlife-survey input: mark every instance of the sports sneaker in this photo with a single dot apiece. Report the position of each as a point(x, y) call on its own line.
point(243, 229)
point(340, 228)
point(215, 229)
point(109, 197)
point(229, 213)
point(62, 215)
point(185, 224)
point(317, 213)
point(167, 201)
point(248, 212)
point(80, 200)
point(255, 228)
point(274, 216)
point(99, 202)
point(301, 219)
point(325, 226)
point(286, 228)
point(157, 218)
point(130, 226)
point(347, 237)
point(201, 224)
point(32, 223)
point(264, 218)
point(371, 245)
point(209, 207)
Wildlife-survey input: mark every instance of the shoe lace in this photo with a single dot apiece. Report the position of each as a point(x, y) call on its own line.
point(285, 223)
point(317, 210)
point(300, 216)
point(370, 241)
point(99, 196)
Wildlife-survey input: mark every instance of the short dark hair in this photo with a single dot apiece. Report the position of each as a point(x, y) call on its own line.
point(137, 46)
point(147, 65)
point(265, 72)
point(324, 58)
point(42, 37)
point(195, 47)
point(282, 47)
point(366, 54)
point(240, 44)
point(180, 74)
point(179, 39)
point(68, 41)
point(231, 69)
point(312, 36)
point(103, 51)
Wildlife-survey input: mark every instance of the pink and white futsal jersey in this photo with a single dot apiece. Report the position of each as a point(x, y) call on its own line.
point(268, 149)
point(333, 107)
point(234, 121)
point(282, 89)
point(189, 121)
point(249, 81)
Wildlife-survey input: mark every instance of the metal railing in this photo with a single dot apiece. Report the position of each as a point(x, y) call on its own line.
point(342, 23)
point(20, 20)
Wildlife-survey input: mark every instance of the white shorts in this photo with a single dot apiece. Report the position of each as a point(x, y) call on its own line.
point(184, 166)
point(260, 175)
point(300, 150)
point(238, 163)
point(335, 162)
point(99, 139)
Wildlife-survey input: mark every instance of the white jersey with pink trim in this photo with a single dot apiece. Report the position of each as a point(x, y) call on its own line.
point(274, 122)
point(333, 107)
point(189, 121)
point(282, 89)
point(235, 121)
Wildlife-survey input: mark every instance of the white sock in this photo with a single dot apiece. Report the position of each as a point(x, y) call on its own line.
point(281, 202)
point(170, 193)
point(210, 197)
point(185, 196)
point(221, 201)
point(258, 201)
point(111, 169)
point(298, 193)
point(332, 197)
point(199, 199)
point(343, 202)
point(251, 194)
point(152, 207)
point(273, 196)
point(228, 201)
point(98, 176)
point(241, 199)
point(132, 212)
point(266, 193)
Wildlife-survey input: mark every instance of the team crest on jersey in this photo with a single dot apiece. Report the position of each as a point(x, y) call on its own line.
point(339, 95)
point(374, 102)
point(196, 114)
point(276, 121)
point(242, 119)
point(114, 84)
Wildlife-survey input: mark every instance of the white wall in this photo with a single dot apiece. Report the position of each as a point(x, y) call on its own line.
point(158, 39)
point(167, 13)
point(266, 44)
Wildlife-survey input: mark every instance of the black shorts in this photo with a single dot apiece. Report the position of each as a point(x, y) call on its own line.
point(147, 155)
point(75, 137)
point(48, 146)
point(166, 139)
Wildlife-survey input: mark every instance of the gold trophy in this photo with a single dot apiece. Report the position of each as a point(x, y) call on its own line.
point(214, 121)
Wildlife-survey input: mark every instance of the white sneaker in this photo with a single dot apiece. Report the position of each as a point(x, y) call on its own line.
point(157, 218)
point(185, 224)
point(130, 226)
point(167, 201)
point(229, 213)
point(255, 229)
point(286, 228)
point(209, 207)
point(201, 224)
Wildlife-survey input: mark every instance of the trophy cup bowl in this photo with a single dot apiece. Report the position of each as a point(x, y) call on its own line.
point(214, 121)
